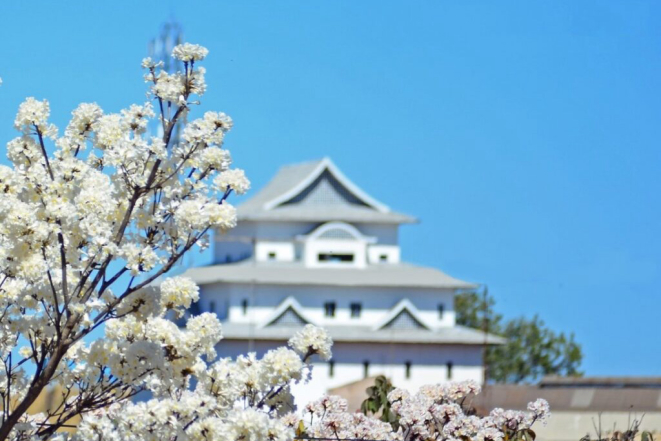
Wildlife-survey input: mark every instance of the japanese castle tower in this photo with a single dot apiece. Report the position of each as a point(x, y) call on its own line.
point(312, 247)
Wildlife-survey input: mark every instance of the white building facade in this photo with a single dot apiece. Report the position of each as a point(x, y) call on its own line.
point(312, 247)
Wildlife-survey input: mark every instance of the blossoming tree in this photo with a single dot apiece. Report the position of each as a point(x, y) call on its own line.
point(86, 231)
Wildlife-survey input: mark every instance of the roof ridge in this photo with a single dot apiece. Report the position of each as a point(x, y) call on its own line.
point(302, 163)
point(325, 165)
point(292, 180)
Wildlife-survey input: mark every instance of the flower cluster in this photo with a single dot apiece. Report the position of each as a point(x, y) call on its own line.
point(312, 340)
point(90, 220)
point(233, 179)
point(435, 412)
point(237, 399)
point(189, 52)
point(329, 418)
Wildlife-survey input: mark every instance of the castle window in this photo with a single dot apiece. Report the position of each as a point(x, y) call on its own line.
point(366, 369)
point(334, 258)
point(441, 310)
point(244, 306)
point(329, 309)
point(407, 370)
point(356, 309)
point(383, 257)
point(331, 369)
point(272, 255)
point(449, 370)
point(212, 306)
point(194, 309)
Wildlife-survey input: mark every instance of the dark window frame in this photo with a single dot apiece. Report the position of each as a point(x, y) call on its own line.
point(356, 309)
point(336, 257)
point(330, 309)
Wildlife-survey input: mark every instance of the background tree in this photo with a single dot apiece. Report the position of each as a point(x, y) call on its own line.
point(532, 349)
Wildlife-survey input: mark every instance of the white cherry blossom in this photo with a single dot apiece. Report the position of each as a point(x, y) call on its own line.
point(188, 52)
point(88, 235)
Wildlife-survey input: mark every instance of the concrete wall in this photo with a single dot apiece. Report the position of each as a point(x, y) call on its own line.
point(573, 425)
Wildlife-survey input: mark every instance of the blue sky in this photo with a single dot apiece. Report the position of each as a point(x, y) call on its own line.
point(525, 135)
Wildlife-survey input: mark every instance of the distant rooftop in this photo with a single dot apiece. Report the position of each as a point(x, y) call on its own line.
point(561, 399)
point(295, 273)
point(590, 394)
point(601, 382)
point(316, 191)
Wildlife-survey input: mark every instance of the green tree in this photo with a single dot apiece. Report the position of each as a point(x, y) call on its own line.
point(532, 349)
point(377, 401)
point(476, 310)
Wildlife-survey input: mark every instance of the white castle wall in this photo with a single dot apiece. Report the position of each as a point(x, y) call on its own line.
point(238, 243)
point(275, 251)
point(375, 252)
point(428, 364)
point(376, 303)
point(386, 234)
point(315, 247)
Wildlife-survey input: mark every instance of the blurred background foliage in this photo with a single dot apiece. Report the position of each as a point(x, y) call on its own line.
point(532, 350)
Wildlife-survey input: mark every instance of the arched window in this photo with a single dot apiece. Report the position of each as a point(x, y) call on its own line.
point(337, 244)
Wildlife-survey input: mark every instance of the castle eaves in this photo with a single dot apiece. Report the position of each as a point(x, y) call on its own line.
point(295, 213)
point(458, 335)
point(295, 273)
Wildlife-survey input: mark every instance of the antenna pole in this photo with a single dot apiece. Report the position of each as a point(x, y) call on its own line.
point(485, 329)
point(160, 49)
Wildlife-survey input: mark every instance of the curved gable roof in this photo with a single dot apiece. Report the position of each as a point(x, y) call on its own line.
point(403, 315)
point(326, 166)
point(337, 230)
point(316, 191)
